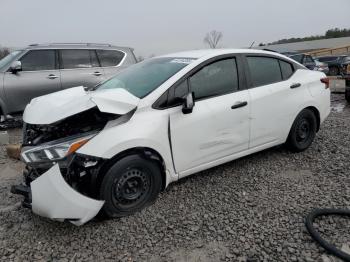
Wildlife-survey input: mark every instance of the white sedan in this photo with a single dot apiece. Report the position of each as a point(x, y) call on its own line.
point(113, 149)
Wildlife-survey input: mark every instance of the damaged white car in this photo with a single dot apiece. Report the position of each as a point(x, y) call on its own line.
point(114, 148)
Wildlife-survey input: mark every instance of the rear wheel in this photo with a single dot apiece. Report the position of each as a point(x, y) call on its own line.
point(131, 184)
point(303, 131)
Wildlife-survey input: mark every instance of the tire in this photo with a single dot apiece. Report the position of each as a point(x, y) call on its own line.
point(333, 71)
point(347, 94)
point(303, 131)
point(130, 185)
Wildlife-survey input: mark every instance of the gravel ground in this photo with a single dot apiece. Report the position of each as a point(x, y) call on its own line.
point(251, 209)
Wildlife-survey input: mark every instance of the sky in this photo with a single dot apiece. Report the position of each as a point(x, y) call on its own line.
point(155, 27)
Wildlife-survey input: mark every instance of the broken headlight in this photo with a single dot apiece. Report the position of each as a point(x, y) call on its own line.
point(54, 151)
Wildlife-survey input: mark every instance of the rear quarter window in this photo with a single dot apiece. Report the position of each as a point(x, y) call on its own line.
point(110, 57)
point(286, 69)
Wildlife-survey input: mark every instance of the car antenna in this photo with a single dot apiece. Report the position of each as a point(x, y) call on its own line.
point(252, 45)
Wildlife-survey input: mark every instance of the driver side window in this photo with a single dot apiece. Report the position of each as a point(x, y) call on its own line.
point(218, 78)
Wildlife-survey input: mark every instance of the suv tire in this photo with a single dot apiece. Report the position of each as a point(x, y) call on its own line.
point(129, 185)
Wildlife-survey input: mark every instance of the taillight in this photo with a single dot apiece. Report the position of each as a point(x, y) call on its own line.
point(325, 80)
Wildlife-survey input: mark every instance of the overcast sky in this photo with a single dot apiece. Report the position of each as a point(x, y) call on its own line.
point(162, 26)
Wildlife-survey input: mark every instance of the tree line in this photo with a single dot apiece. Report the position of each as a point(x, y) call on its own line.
point(331, 33)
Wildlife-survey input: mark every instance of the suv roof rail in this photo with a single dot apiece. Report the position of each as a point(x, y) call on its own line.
point(87, 44)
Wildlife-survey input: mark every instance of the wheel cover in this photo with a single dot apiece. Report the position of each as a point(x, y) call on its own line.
point(303, 131)
point(131, 189)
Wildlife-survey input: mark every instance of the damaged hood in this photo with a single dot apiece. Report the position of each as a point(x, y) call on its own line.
point(53, 107)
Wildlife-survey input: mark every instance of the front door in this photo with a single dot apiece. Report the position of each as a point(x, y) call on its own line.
point(39, 76)
point(219, 123)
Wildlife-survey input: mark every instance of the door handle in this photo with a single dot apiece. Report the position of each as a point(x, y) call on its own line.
point(295, 85)
point(52, 76)
point(96, 73)
point(239, 104)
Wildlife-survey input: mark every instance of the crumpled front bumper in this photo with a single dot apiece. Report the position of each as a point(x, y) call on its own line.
point(54, 198)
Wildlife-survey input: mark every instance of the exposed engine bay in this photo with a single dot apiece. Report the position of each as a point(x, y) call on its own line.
point(79, 171)
point(87, 121)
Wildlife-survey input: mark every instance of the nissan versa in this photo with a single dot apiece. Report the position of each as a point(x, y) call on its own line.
point(114, 148)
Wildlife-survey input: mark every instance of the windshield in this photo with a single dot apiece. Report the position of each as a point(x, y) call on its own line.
point(7, 59)
point(142, 78)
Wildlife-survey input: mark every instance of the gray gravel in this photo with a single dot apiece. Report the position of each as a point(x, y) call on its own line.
point(251, 209)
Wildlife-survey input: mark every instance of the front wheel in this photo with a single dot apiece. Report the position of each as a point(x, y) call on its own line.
point(303, 131)
point(131, 184)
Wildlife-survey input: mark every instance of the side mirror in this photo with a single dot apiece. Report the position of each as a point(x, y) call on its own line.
point(16, 66)
point(188, 104)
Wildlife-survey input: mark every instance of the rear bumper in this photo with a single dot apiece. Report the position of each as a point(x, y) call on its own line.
point(51, 196)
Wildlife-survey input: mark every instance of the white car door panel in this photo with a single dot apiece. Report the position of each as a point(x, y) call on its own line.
point(273, 105)
point(212, 131)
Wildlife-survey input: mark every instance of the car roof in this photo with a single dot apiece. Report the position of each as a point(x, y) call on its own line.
point(214, 52)
point(77, 46)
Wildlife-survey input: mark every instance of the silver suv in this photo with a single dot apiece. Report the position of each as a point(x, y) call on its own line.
point(40, 69)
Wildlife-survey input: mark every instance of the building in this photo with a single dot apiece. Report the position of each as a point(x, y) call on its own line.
point(329, 46)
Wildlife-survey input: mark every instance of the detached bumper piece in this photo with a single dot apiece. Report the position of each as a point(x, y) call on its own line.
point(54, 198)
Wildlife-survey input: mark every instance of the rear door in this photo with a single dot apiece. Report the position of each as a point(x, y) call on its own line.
point(39, 76)
point(219, 123)
point(275, 92)
point(80, 67)
point(111, 61)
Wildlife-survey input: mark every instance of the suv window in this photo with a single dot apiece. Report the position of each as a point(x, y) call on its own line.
point(78, 58)
point(308, 59)
point(264, 70)
point(327, 59)
point(297, 58)
point(110, 57)
point(346, 59)
point(36, 60)
point(286, 69)
point(218, 78)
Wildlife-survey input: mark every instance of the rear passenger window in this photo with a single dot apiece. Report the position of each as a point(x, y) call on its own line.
point(218, 78)
point(39, 60)
point(80, 58)
point(264, 70)
point(286, 68)
point(110, 57)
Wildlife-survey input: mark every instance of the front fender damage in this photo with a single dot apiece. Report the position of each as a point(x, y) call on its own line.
point(54, 198)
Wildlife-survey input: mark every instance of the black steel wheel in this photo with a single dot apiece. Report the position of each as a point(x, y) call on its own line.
point(303, 131)
point(131, 184)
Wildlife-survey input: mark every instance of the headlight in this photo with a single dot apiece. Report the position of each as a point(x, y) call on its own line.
point(54, 152)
